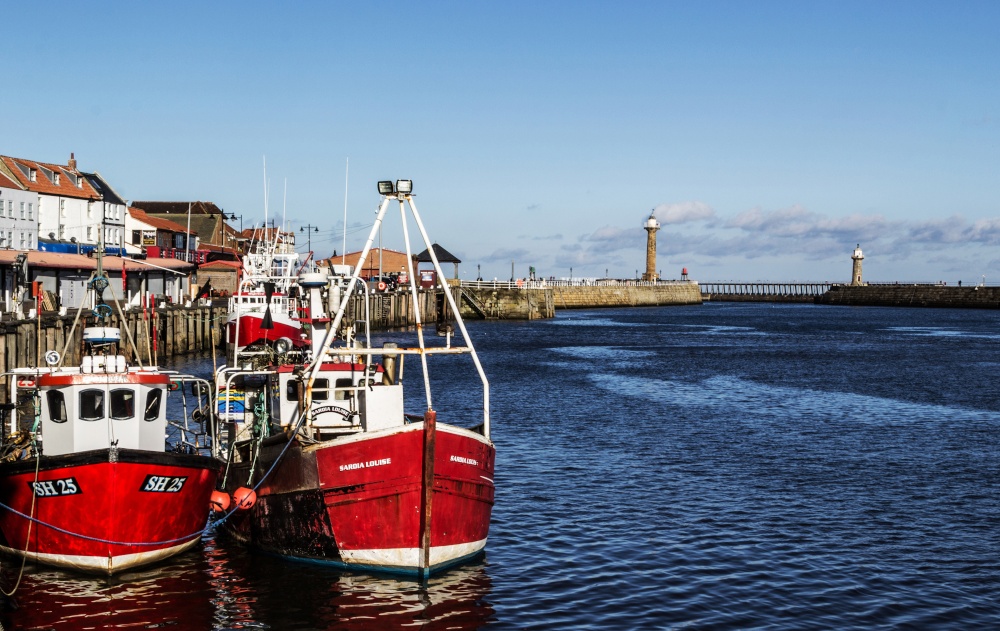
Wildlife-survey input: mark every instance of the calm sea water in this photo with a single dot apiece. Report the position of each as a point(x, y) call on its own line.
point(724, 466)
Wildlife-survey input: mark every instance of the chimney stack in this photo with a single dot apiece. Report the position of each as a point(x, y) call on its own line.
point(72, 162)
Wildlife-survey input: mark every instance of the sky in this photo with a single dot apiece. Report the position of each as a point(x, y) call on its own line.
point(767, 138)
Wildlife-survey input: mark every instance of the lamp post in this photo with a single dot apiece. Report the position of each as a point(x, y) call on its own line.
point(234, 217)
point(309, 229)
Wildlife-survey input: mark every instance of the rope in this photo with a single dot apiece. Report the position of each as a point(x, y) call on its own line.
point(292, 432)
point(98, 539)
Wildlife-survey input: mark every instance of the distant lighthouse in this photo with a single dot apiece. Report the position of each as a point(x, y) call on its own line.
point(652, 225)
point(856, 271)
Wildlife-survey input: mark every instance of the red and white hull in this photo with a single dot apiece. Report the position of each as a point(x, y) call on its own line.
point(100, 512)
point(249, 331)
point(359, 501)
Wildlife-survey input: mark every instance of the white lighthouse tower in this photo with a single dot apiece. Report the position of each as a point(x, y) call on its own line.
point(651, 226)
point(856, 270)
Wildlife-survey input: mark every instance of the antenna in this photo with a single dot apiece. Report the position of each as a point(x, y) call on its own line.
point(265, 199)
point(343, 252)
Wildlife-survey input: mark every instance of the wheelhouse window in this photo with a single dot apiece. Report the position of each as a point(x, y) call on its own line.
point(321, 389)
point(122, 404)
point(92, 405)
point(344, 394)
point(153, 399)
point(57, 405)
point(292, 390)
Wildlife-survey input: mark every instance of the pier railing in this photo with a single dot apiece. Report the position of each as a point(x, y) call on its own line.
point(523, 283)
point(739, 288)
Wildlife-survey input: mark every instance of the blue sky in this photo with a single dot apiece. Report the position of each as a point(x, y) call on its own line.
point(768, 137)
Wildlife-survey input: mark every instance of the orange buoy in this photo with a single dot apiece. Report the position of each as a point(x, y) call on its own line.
point(219, 501)
point(381, 286)
point(245, 498)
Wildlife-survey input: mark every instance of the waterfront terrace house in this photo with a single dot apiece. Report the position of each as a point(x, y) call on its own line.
point(18, 223)
point(74, 208)
point(207, 220)
point(112, 213)
point(143, 232)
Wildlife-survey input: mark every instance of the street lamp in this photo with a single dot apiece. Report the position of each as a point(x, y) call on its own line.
point(309, 229)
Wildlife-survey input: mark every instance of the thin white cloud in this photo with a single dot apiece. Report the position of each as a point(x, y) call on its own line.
point(683, 212)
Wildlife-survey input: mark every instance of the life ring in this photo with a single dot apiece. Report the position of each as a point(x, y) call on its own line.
point(174, 386)
point(381, 286)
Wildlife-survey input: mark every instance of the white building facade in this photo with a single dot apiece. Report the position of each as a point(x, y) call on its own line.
point(18, 216)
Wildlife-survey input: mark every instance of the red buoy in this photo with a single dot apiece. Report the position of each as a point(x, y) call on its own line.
point(245, 498)
point(219, 502)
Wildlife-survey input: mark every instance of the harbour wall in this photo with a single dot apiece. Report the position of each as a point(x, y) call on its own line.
point(627, 295)
point(541, 299)
point(921, 295)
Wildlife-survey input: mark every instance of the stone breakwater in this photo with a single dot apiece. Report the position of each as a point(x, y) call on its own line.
point(912, 296)
point(530, 303)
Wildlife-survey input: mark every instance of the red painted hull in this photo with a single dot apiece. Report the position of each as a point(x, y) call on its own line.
point(99, 516)
point(250, 331)
point(357, 501)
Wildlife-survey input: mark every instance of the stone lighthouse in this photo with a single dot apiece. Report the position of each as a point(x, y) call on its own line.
point(651, 226)
point(856, 270)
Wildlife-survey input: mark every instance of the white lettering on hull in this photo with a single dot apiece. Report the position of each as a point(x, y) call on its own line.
point(463, 460)
point(368, 464)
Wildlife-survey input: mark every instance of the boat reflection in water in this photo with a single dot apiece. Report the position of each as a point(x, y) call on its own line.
point(215, 587)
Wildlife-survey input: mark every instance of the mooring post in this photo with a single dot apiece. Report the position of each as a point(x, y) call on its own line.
point(427, 495)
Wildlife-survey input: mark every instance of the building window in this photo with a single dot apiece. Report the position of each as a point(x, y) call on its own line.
point(31, 211)
point(55, 179)
point(62, 207)
point(32, 175)
point(136, 237)
point(62, 231)
point(10, 208)
point(22, 210)
point(90, 233)
point(22, 240)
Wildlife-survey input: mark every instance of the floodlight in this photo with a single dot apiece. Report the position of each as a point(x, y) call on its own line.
point(404, 187)
point(385, 188)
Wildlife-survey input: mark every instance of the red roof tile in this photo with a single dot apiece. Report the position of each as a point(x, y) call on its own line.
point(6, 182)
point(42, 184)
point(162, 224)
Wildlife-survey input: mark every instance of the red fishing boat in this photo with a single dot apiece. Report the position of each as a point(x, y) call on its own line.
point(340, 473)
point(263, 313)
point(91, 485)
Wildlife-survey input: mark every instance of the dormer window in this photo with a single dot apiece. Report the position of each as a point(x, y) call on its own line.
point(74, 178)
point(33, 175)
point(55, 179)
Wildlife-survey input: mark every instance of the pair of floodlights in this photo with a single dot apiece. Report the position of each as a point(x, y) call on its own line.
point(401, 187)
